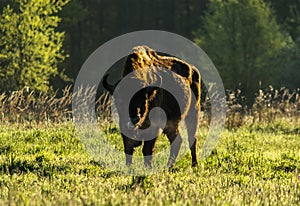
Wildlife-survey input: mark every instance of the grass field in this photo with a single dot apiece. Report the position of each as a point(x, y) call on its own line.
point(254, 165)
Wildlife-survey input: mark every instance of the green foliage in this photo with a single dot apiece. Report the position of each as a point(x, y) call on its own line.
point(290, 63)
point(254, 165)
point(288, 15)
point(253, 37)
point(242, 38)
point(30, 46)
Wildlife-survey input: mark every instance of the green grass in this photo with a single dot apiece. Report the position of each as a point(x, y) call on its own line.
point(254, 165)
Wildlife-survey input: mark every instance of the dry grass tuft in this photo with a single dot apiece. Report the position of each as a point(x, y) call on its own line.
point(27, 106)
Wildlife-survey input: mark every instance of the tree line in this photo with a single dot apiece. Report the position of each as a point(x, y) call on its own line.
point(253, 43)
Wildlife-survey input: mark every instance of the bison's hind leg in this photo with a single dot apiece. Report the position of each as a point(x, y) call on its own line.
point(191, 123)
point(193, 116)
point(175, 141)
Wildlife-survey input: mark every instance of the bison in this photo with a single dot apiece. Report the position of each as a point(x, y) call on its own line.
point(147, 66)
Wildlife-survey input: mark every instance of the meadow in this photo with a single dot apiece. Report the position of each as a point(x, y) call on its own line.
point(44, 163)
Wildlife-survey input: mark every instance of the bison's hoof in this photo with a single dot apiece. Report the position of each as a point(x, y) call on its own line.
point(194, 164)
point(148, 166)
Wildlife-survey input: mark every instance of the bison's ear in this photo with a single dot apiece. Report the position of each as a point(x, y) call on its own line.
point(110, 88)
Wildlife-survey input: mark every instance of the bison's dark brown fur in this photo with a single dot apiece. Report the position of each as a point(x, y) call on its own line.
point(144, 62)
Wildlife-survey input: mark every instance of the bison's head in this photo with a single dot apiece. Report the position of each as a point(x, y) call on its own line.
point(141, 102)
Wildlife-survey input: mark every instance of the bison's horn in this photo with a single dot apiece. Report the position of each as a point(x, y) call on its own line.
point(107, 86)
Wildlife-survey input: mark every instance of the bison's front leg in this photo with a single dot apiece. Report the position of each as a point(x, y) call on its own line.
point(175, 141)
point(128, 152)
point(148, 150)
point(129, 146)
